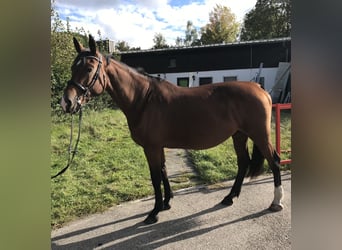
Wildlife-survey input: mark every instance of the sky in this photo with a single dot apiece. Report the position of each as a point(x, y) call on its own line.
point(136, 22)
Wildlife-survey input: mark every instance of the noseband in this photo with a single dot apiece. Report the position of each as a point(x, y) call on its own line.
point(85, 89)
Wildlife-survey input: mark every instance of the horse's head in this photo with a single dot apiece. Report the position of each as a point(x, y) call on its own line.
point(88, 77)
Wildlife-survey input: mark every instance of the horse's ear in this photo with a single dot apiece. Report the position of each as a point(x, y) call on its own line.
point(92, 44)
point(78, 46)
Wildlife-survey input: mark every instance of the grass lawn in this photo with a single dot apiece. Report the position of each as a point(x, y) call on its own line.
point(110, 168)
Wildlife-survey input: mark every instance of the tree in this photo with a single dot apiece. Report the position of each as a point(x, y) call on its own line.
point(159, 41)
point(122, 46)
point(62, 53)
point(135, 48)
point(179, 42)
point(100, 43)
point(222, 26)
point(268, 19)
point(191, 36)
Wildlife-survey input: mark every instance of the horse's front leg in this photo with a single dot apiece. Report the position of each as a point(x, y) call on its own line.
point(155, 164)
point(167, 188)
point(240, 146)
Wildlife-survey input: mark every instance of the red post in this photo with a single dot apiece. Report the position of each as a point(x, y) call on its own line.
point(278, 107)
point(277, 127)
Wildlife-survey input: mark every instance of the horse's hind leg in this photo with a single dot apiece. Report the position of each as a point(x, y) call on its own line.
point(274, 163)
point(240, 146)
point(167, 188)
point(273, 160)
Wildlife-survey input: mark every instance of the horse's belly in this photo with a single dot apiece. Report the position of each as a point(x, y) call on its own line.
point(199, 138)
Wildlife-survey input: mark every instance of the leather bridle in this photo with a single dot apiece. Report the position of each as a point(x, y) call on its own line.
point(85, 89)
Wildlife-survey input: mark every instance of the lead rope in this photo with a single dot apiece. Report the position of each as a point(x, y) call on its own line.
point(72, 153)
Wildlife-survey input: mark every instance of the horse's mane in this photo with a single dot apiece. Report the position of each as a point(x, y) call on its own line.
point(137, 70)
point(143, 72)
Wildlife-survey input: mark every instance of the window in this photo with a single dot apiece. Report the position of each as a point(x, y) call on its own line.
point(172, 63)
point(205, 80)
point(183, 81)
point(229, 78)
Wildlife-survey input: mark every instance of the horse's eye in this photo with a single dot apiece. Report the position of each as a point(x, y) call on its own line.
point(90, 70)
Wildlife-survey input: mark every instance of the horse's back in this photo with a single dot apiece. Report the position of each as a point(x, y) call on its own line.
point(202, 117)
point(231, 95)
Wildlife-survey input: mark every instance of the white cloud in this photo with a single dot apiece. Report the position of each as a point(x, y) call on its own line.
point(136, 22)
point(90, 5)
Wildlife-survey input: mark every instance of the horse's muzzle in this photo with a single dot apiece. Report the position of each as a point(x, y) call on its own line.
point(69, 106)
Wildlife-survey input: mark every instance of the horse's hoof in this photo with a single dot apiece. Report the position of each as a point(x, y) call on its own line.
point(276, 207)
point(166, 207)
point(151, 220)
point(227, 201)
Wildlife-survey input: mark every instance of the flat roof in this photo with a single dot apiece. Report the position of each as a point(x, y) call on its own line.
point(262, 41)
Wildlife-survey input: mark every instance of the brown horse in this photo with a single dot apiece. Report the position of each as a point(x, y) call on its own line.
point(161, 114)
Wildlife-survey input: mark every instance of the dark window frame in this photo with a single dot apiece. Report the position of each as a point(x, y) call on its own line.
point(229, 78)
point(179, 79)
point(205, 80)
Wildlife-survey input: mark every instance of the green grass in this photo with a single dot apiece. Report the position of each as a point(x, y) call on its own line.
point(219, 163)
point(109, 167)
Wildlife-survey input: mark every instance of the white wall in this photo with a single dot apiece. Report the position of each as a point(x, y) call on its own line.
point(242, 75)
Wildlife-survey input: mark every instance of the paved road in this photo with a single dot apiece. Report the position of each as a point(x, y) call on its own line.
point(195, 221)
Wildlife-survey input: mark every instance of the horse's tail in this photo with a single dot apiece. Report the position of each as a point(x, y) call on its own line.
point(256, 166)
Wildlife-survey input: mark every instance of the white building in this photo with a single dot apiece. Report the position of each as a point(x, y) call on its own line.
point(194, 66)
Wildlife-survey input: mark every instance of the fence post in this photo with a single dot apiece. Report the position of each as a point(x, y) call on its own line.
point(278, 107)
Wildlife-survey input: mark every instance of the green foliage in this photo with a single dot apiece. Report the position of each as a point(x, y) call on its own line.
point(159, 41)
point(191, 36)
point(122, 46)
point(222, 26)
point(215, 164)
point(62, 55)
point(268, 19)
point(108, 169)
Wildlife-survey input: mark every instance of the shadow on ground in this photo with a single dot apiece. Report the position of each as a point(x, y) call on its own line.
point(139, 235)
point(151, 236)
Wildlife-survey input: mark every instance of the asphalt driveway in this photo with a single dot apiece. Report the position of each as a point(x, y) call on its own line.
point(196, 220)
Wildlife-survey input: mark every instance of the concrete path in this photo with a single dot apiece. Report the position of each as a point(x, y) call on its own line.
point(180, 170)
point(195, 221)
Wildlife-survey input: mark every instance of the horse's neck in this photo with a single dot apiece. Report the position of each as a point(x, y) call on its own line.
point(127, 88)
